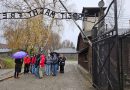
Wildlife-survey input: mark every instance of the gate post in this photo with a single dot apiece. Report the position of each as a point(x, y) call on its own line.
point(94, 59)
point(119, 63)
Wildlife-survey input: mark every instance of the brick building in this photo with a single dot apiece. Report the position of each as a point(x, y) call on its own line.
point(83, 47)
point(84, 53)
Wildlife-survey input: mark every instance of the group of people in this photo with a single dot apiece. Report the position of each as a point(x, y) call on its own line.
point(41, 65)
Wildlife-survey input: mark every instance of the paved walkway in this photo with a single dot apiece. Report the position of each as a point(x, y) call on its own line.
point(70, 80)
point(4, 73)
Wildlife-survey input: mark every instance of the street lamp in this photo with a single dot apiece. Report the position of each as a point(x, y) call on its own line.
point(101, 24)
point(101, 3)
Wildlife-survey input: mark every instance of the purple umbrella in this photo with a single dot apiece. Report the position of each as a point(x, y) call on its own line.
point(19, 54)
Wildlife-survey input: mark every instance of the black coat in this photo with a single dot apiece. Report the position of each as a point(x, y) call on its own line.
point(37, 60)
point(18, 65)
point(18, 61)
point(62, 61)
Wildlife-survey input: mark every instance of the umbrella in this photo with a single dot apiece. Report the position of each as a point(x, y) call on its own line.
point(54, 53)
point(19, 54)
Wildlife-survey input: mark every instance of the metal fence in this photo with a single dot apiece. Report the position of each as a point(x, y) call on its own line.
point(111, 65)
point(125, 60)
point(105, 63)
point(110, 53)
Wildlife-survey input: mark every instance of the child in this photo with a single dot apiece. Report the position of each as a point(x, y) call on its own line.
point(62, 64)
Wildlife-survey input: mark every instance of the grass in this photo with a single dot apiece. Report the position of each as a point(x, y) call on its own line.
point(9, 62)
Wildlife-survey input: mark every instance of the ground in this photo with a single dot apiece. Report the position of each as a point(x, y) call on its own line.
point(70, 80)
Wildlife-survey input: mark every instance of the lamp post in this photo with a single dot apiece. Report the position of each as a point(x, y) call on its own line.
point(101, 24)
point(101, 4)
point(119, 60)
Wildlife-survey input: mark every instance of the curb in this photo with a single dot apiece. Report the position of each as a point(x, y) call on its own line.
point(6, 73)
point(6, 78)
point(11, 76)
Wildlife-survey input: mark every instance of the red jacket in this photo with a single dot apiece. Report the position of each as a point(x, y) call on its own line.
point(33, 60)
point(42, 60)
point(27, 60)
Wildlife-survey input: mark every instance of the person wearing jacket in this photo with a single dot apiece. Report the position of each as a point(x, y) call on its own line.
point(37, 66)
point(21, 65)
point(17, 67)
point(33, 61)
point(54, 64)
point(42, 65)
point(48, 65)
point(62, 64)
point(27, 61)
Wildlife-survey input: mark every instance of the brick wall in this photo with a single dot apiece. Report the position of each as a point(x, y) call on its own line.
point(85, 54)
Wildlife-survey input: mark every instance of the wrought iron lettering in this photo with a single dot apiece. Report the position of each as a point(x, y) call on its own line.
point(35, 12)
point(29, 13)
point(45, 11)
point(52, 14)
point(62, 15)
point(13, 15)
point(20, 14)
point(69, 16)
point(4, 15)
point(41, 10)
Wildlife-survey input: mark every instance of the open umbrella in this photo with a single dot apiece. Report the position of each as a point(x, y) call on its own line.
point(19, 54)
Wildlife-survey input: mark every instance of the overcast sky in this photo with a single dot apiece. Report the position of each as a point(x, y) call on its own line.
point(70, 30)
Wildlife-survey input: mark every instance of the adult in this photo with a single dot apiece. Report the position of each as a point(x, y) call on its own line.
point(42, 65)
point(17, 68)
point(21, 65)
point(62, 64)
point(37, 66)
point(27, 61)
point(33, 61)
point(54, 64)
point(48, 65)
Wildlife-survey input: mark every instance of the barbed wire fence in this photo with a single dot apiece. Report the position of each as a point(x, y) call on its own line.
point(109, 62)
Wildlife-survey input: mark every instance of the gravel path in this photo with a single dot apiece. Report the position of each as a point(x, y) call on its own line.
point(70, 80)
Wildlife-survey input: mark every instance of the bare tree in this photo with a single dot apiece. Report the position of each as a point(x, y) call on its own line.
point(110, 16)
point(67, 44)
point(49, 38)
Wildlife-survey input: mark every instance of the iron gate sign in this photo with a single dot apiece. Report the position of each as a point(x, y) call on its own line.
point(45, 11)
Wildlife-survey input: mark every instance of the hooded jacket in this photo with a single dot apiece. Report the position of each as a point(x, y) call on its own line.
point(42, 60)
point(27, 60)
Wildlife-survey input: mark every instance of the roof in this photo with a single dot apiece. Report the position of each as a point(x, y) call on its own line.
point(87, 33)
point(2, 46)
point(92, 11)
point(66, 51)
point(4, 50)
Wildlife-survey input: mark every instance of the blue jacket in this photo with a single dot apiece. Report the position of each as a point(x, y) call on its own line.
point(55, 60)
